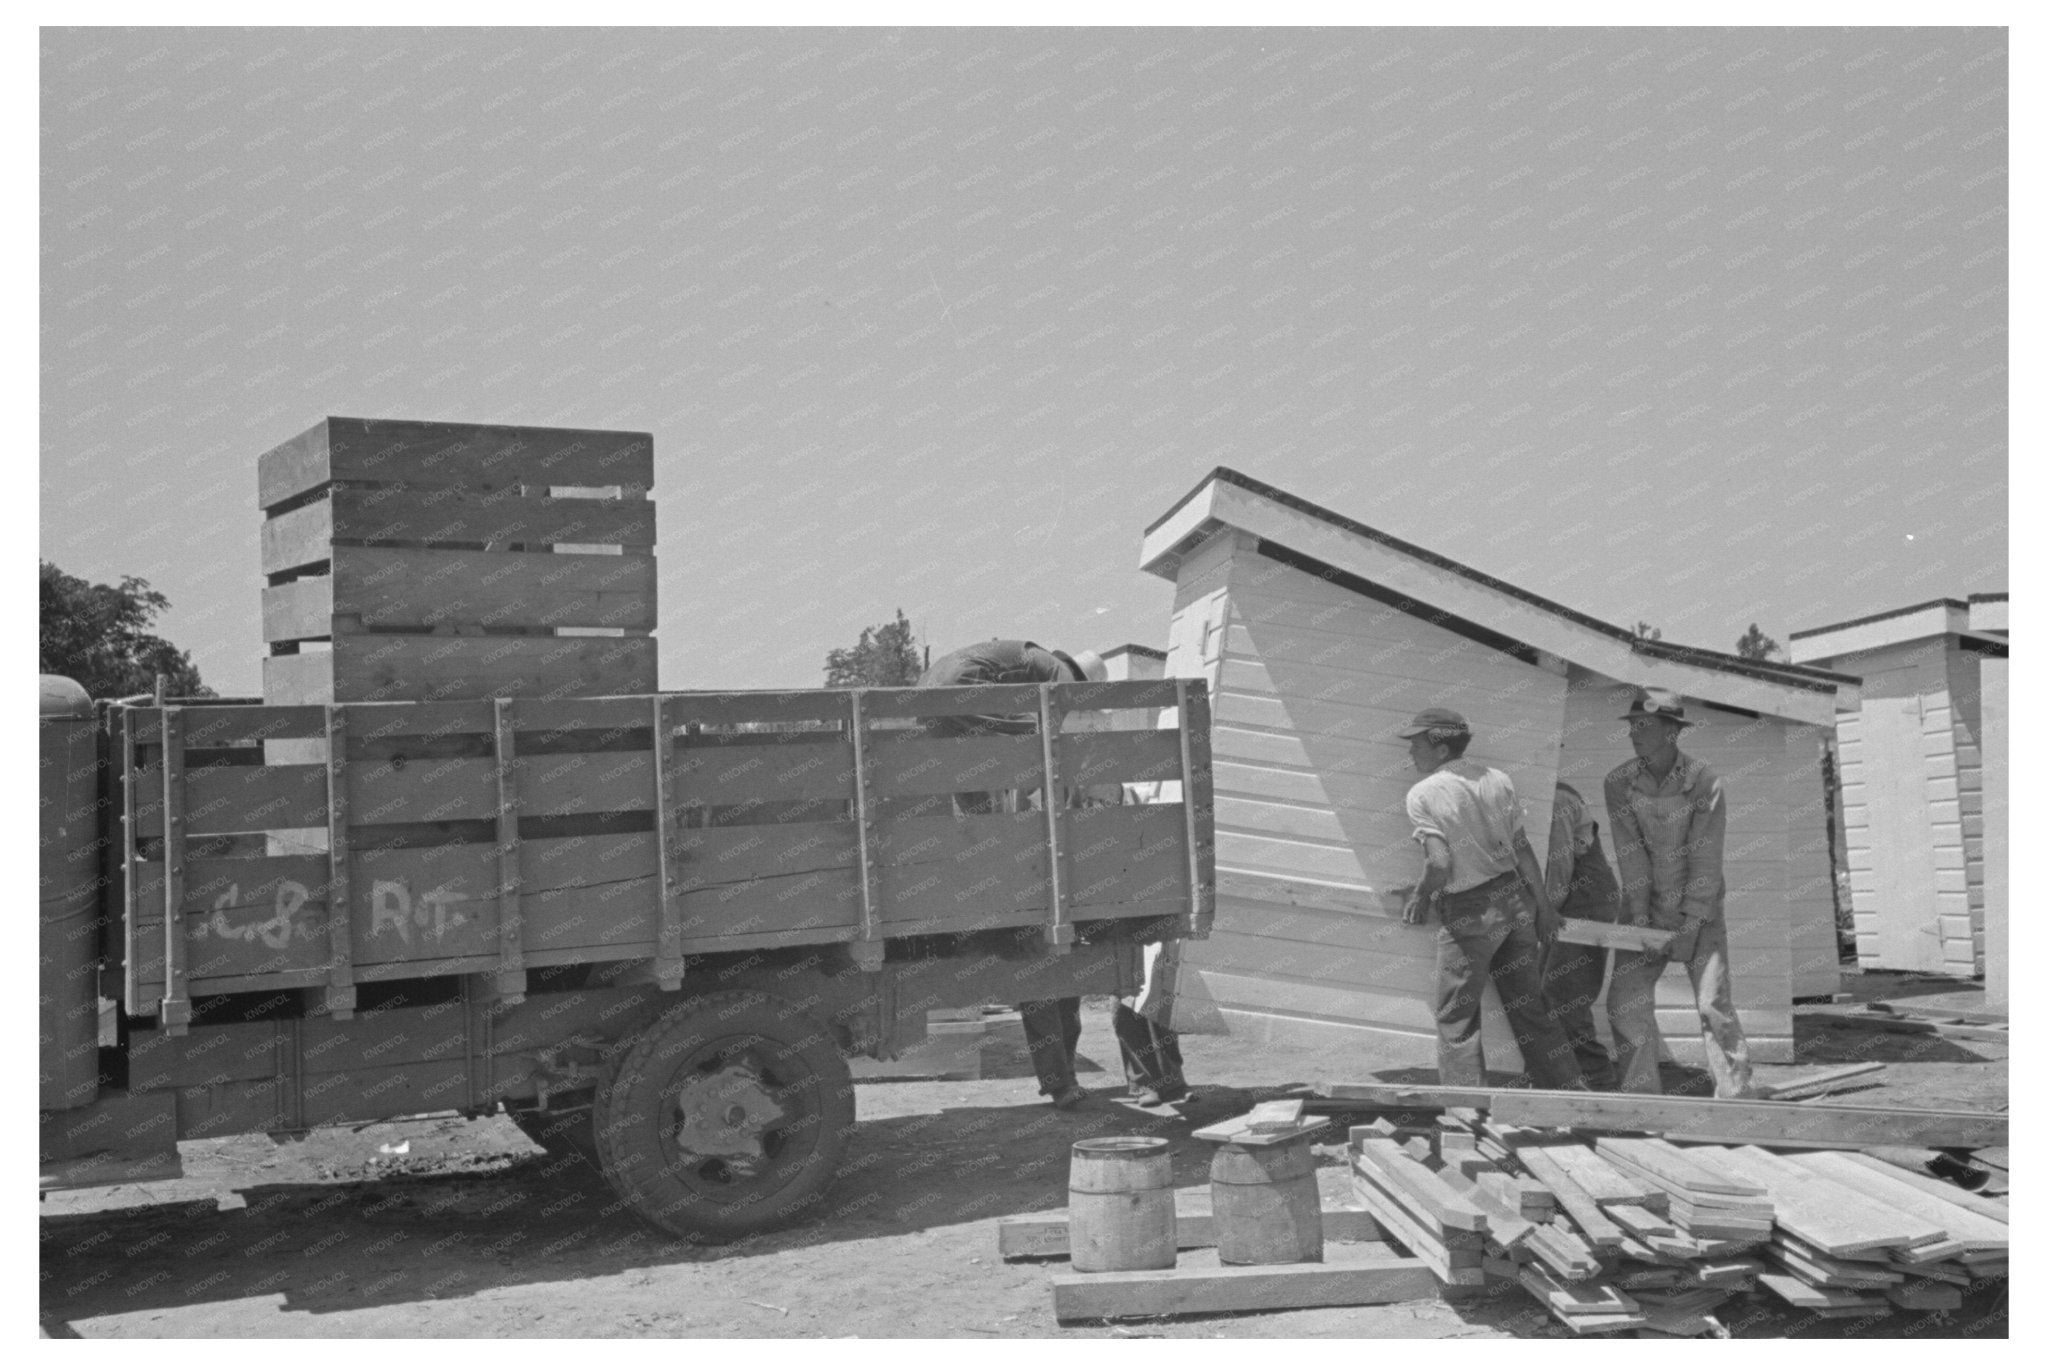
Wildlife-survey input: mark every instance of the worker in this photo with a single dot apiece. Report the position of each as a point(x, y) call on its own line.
point(1669, 814)
point(1581, 886)
point(1052, 1028)
point(1481, 875)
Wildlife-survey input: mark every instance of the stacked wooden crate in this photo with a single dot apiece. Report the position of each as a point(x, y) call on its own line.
point(435, 561)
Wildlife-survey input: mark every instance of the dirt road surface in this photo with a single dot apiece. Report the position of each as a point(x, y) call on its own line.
point(452, 1228)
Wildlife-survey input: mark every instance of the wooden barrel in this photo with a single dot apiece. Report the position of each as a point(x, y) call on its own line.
point(1267, 1208)
point(1120, 1205)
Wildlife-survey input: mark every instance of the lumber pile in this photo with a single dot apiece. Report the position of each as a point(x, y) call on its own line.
point(1638, 1233)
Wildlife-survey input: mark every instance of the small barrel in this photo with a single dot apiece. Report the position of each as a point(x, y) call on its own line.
point(1267, 1208)
point(1120, 1205)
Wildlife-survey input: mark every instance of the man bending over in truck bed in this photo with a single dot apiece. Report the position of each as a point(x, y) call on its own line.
point(1052, 1028)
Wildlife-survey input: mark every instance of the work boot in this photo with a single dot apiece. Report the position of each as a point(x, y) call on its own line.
point(1069, 1098)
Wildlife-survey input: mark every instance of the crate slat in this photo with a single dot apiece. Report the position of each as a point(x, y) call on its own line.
point(377, 589)
point(467, 456)
point(443, 517)
point(419, 667)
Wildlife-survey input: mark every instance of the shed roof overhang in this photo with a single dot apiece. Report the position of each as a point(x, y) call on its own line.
point(1430, 582)
point(1980, 620)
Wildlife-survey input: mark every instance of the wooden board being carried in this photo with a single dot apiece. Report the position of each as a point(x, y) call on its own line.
point(1634, 938)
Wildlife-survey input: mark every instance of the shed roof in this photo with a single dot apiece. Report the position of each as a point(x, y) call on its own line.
point(1364, 559)
point(1982, 617)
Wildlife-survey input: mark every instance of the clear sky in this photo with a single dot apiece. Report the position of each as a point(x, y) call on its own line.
point(1698, 327)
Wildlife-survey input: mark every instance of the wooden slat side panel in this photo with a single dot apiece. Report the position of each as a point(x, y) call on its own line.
point(1017, 699)
point(416, 667)
point(394, 588)
point(222, 800)
point(443, 516)
point(208, 727)
point(907, 764)
point(1116, 757)
point(302, 609)
point(453, 455)
point(794, 767)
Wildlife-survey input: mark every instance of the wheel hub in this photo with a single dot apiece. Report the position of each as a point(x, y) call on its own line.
point(724, 1115)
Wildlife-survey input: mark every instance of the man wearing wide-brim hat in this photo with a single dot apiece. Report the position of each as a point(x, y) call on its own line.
point(1482, 876)
point(1669, 816)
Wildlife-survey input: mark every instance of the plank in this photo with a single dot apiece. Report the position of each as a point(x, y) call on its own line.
point(1639, 1221)
point(1824, 1214)
point(220, 800)
point(1347, 1275)
point(1565, 1297)
point(1601, 1181)
point(1451, 1265)
point(1994, 1209)
point(1045, 1234)
point(1922, 1297)
point(1830, 1272)
point(1594, 1226)
point(1429, 1195)
point(1754, 1121)
point(412, 667)
point(383, 589)
point(1245, 1130)
point(1505, 1227)
point(1853, 1076)
point(1677, 1167)
point(1800, 1294)
point(1600, 934)
point(452, 455)
point(304, 535)
point(1972, 1231)
point(1563, 1253)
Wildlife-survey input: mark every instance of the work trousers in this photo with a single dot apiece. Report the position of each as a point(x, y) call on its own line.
point(1632, 1013)
point(1572, 977)
point(1151, 1053)
point(1052, 1030)
point(1490, 931)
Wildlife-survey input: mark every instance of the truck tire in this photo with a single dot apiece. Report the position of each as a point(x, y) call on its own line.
point(559, 1133)
point(726, 1116)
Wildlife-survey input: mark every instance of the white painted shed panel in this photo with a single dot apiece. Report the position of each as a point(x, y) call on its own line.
point(1311, 682)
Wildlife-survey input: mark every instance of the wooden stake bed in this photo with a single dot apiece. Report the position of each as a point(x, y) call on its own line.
point(493, 837)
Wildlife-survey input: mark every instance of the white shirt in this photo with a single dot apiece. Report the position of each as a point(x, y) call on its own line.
point(1473, 809)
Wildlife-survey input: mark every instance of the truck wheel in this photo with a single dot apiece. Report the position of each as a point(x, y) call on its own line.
point(559, 1133)
point(727, 1116)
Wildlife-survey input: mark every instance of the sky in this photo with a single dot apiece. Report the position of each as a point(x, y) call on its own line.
point(1695, 327)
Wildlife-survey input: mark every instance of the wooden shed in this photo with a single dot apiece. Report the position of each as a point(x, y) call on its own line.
point(1916, 767)
point(1319, 637)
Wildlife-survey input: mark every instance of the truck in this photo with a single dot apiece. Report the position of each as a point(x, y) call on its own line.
point(651, 928)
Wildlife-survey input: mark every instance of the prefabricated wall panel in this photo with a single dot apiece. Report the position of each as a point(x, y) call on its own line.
point(1995, 715)
point(415, 561)
point(1768, 766)
point(1311, 682)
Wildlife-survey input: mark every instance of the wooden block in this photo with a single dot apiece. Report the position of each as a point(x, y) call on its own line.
point(1347, 1275)
point(1045, 1234)
point(1276, 1116)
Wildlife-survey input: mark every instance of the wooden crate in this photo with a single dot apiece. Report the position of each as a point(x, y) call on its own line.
point(435, 561)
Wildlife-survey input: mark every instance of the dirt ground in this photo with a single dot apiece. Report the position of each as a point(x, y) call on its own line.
point(449, 1228)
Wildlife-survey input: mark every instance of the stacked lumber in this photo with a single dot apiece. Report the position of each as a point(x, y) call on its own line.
point(1641, 1234)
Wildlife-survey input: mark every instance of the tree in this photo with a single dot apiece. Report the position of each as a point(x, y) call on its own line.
point(1646, 631)
point(887, 656)
point(1754, 644)
point(99, 637)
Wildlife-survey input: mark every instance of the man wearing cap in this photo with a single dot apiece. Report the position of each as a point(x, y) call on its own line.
point(1052, 1028)
point(1669, 814)
point(1490, 898)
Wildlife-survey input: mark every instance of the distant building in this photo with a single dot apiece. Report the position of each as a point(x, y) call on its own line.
point(1320, 637)
point(1923, 780)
